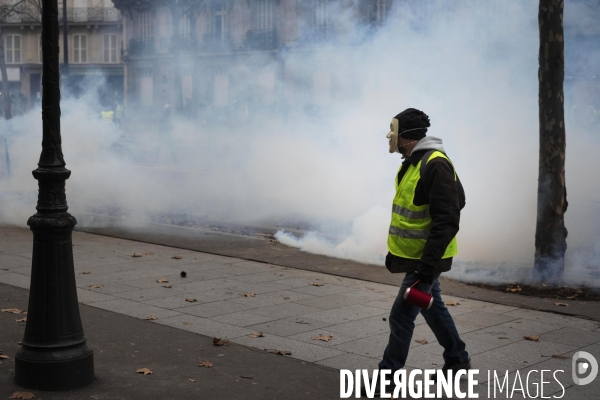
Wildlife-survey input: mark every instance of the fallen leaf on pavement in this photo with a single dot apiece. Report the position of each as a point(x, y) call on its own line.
point(21, 320)
point(136, 255)
point(559, 357)
point(13, 310)
point(256, 335)
point(533, 338)
point(144, 371)
point(502, 337)
point(150, 318)
point(162, 280)
point(286, 298)
point(561, 304)
point(249, 295)
point(192, 380)
point(280, 352)
point(22, 395)
point(421, 341)
point(572, 297)
point(169, 286)
point(186, 323)
point(220, 342)
point(86, 272)
point(96, 286)
point(205, 364)
point(176, 257)
point(322, 338)
point(3, 357)
point(190, 300)
point(451, 303)
point(317, 284)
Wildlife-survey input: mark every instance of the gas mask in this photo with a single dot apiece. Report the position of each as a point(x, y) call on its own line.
point(393, 136)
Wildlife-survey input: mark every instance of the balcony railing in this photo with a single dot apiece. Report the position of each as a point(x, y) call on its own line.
point(217, 42)
point(141, 47)
point(261, 40)
point(74, 14)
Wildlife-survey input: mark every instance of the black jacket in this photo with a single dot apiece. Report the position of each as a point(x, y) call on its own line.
point(446, 198)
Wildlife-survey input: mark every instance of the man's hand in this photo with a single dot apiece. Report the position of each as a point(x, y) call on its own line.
point(425, 273)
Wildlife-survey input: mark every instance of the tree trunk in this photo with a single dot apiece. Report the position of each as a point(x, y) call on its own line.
point(5, 85)
point(551, 234)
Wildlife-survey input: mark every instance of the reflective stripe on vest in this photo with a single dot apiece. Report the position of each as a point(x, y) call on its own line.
point(410, 223)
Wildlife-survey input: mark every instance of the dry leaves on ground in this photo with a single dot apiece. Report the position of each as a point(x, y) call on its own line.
point(3, 357)
point(561, 304)
point(21, 320)
point(514, 289)
point(192, 380)
point(533, 338)
point(162, 280)
point(190, 300)
point(451, 303)
point(559, 357)
point(14, 311)
point(96, 286)
point(220, 342)
point(22, 395)
point(322, 338)
point(136, 255)
point(421, 341)
point(205, 364)
point(280, 352)
point(249, 295)
point(315, 283)
point(86, 272)
point(176, 257)
point(256, 335)
point(144, 371)
point(169, 286)
point(572, 297)
point(150, 318)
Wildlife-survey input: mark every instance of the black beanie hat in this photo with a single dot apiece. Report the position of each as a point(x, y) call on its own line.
point(409, 122)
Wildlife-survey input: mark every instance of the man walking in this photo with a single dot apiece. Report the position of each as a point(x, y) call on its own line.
point(421, 241)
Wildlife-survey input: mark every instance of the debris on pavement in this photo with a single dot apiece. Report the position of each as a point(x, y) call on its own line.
point(183, 274)
point(169, 286)
point(136, 255)
point(85, 272)
point(220, 342)
point(96, 286)
point(205, 364)
point(150, 318)
point(22, 395)
point(249, 295)
point(280, 352)
point(533, 338)
point(315, 283)
point(256, 335)
point(451, 303)
point(13, 311)
point(323, 338)
point(176, 257)
point(191, 300)
point(21, 320)
point(561, 304)
point(144, 371)
point(192, 380)
point(162, 280)
point(421, 341)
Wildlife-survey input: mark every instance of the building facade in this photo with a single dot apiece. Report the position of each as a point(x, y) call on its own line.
point(228, 56)
point(95, 43)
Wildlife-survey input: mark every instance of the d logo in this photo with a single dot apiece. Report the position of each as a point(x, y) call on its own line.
point(583, 367)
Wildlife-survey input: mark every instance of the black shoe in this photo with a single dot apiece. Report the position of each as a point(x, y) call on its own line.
point(456, 367)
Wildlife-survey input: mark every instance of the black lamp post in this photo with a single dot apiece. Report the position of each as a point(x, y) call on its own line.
point(54, 354)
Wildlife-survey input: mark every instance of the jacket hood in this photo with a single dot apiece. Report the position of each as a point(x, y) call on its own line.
point(429, 143)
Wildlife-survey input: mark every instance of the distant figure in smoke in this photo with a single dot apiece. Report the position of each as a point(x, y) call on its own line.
point(164, 134)
point(421, 241)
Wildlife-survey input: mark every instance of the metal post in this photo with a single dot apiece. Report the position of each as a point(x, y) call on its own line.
point(54, 353)
point(65, 69)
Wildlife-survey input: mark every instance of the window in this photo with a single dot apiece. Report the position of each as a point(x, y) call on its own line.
point(323, 13)
point(12, 49)
point(145, 25)
point(79, 48)
point(219, 26)
point(263, 15)
point(110, 48)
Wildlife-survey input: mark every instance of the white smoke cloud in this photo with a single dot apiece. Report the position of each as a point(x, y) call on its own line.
point(472, 68)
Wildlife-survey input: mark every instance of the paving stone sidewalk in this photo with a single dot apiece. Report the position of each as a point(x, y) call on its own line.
point(233, 298)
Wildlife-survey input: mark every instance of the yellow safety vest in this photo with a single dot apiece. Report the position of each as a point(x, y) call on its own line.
point(410, 223)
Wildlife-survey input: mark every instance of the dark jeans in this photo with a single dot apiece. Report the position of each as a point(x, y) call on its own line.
point(402, 324)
